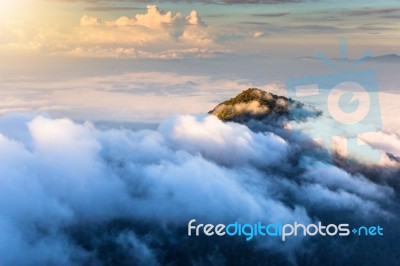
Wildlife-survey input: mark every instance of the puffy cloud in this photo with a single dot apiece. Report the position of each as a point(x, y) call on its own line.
point(69, 190)
point(194, 19)
point(226, 143)
point(70, 170)
point(151, 33)
point(124, 21)
point(90, 21)
point(196, 35)
point(154, 18)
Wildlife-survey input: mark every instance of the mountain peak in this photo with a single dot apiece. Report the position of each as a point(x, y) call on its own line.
point(257, 104)
point(252, 103)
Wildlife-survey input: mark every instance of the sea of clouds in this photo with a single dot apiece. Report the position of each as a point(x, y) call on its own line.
point(74, 194)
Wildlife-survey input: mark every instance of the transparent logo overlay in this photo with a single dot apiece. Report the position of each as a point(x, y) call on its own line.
point(349, 98)
point(280, 230)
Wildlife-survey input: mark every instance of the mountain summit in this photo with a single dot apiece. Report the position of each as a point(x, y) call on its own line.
point(254, 103)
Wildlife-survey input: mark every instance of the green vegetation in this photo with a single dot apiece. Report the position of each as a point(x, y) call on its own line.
point(252, 103)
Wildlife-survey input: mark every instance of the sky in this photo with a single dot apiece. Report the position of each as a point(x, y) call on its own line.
point(119, 60)
point(107, 151)
point(61, 27)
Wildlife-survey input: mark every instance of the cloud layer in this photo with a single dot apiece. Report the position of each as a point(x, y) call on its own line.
point(72, 194)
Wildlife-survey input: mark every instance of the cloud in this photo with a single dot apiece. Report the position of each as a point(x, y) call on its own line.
point(258, 34)
point(71, 193)
point(153, 19)
point(121, 97)
point(389, 142)
point(210, 137)
point(121, 52)
point(387, 58)
point(74, 168)
point(151, 34)
point(90, 21)
point(373, 11)
point(194, 19)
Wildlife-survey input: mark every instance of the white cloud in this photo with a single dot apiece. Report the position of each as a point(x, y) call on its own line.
point(122, 37)
point(151, 34)
point(196, 35)
point(154, 26)
point(229, 143)
point(57, 174)
point(90, 21)
point(60, 177)
point(155, 19)
point(194, 19)
point(124, 21)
